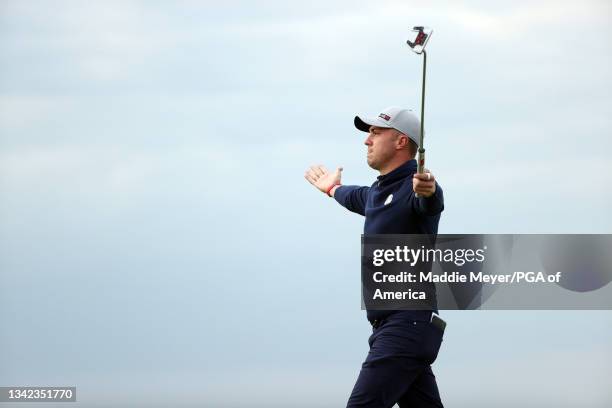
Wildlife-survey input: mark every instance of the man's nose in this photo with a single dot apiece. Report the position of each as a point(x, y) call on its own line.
point(367, 141)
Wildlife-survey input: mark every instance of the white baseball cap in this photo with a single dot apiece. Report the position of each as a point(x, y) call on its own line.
point(393, 117)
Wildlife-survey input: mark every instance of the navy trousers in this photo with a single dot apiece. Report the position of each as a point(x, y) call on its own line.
point(398, 366)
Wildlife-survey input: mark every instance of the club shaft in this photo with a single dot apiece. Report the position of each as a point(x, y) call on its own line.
point(421, 159)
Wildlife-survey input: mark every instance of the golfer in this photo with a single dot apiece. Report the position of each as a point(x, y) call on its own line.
point(404, 343)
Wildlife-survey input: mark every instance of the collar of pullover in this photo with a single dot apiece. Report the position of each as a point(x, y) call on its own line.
point(401, 172)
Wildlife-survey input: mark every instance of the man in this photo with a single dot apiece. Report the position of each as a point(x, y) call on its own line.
point(403, 343)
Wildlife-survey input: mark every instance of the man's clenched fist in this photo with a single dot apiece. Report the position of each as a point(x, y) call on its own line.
point(424, 184)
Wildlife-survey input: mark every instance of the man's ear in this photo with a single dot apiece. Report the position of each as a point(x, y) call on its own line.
point(402, 141)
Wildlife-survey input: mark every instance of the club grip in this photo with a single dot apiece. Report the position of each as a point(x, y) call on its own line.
point(421, 162)
point(420, 165)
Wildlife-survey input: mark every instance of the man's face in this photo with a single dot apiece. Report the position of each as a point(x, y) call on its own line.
point(382, 146)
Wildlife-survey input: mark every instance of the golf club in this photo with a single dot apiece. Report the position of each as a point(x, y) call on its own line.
point(418, 46)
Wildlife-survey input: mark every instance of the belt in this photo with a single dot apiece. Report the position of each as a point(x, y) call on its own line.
point(435, 320)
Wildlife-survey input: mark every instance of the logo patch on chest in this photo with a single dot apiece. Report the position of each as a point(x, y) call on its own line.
point(388, 200)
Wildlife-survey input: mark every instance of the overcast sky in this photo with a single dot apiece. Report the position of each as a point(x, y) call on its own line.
point(158, 237)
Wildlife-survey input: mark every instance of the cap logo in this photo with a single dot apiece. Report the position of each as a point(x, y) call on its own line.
point(385, 116)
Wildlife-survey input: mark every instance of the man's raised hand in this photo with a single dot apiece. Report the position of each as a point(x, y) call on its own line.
point(321, 178)
point(424, 184)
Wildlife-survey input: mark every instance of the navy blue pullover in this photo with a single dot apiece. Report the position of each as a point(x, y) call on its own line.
point(390, 207)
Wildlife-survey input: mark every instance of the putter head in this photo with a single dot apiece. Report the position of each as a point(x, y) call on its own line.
point(423, 34)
